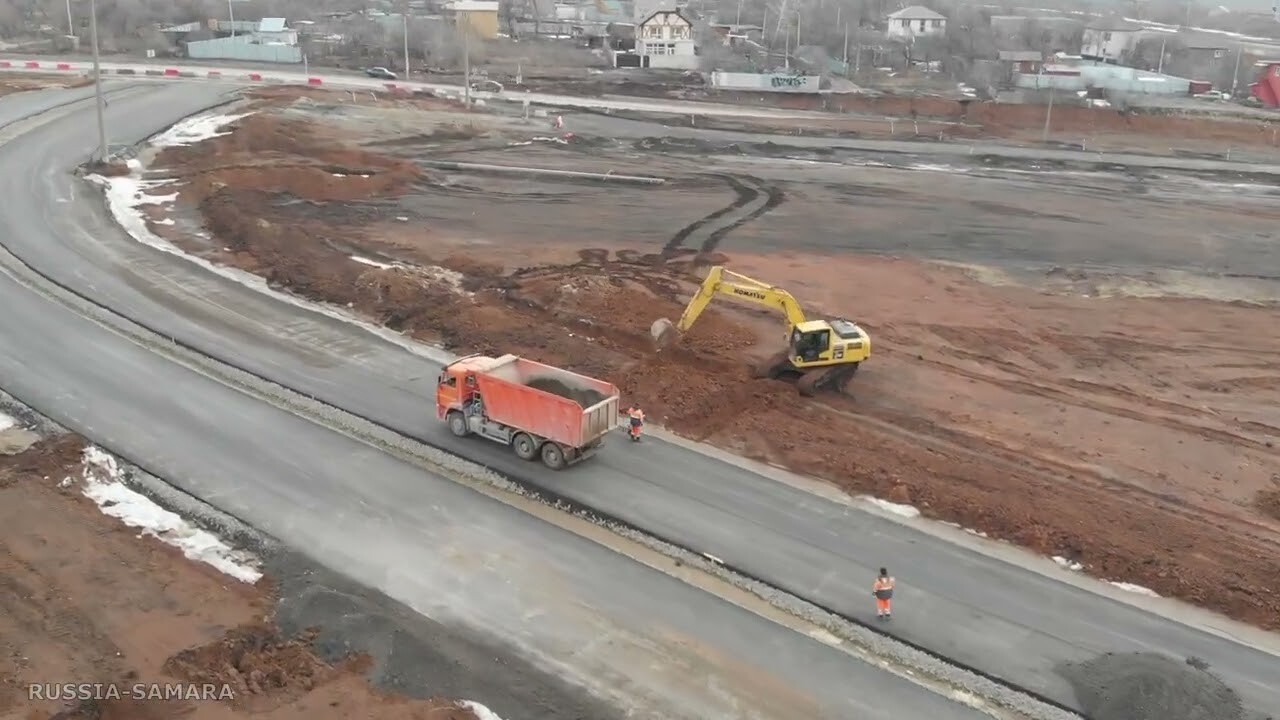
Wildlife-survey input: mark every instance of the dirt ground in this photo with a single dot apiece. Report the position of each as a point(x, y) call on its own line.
point(84, 599)
point(13, 84)
point(1135, 435)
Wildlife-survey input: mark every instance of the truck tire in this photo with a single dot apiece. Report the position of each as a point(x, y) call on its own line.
point(458, 424)
point(553, 456)
point(525, 446)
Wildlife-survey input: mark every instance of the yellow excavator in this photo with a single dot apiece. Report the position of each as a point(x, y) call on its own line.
point(824, 354)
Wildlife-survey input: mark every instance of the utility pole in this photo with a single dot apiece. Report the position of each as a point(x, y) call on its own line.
point(1235, 76)
point(406, 40)
point(846, 50)
point(1048, 114)
point(466, 64)
point(231, 13)
point(739, 21)
point(97, 81)
point(71, 24)
point(1160, 65)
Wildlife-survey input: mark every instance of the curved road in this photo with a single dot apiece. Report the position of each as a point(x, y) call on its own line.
point(816, 548)
point(651, 644)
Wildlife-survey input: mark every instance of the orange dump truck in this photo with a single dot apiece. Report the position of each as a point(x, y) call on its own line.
point(539, 410)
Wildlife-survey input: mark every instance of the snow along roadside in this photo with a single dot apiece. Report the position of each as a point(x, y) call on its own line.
point(103, 483)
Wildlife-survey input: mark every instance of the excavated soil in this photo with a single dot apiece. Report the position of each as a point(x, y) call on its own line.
point(84, 599)
point(1026, 121)
point(955, 450)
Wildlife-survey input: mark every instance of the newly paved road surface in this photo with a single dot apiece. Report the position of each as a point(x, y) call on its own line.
point(649, 642)
point(996, 616)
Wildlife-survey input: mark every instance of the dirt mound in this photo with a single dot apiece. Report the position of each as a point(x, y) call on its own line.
point(1145, 686)
point(273, 155)
point(253, 660)
point(44, 458)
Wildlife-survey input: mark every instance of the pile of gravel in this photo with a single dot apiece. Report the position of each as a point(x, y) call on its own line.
point(1148, 686)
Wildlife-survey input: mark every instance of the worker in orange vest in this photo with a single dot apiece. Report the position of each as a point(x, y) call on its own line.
point(635, 422)
point(883, 592)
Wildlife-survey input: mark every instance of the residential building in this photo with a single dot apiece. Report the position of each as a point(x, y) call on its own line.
point(272, 31)
point(1025, 62)
point(1111, 39)
point(267, 40)
point(664, 39)
point(480, 17)
point(914, 22)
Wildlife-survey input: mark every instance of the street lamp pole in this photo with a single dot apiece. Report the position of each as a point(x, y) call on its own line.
point(231, 14)
point(71, 24)
point(97, 81)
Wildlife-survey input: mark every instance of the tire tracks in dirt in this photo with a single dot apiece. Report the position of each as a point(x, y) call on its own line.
point(1053, 474)
point(754, 199)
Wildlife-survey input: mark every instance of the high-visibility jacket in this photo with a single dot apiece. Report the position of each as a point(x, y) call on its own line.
point(883, 589)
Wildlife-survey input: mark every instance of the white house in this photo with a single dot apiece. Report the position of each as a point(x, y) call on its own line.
point(272, 31)
point(914, 22)
point(664, 39)
point(1110, 39)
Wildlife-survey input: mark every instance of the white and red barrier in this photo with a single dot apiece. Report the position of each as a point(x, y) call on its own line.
point(314, 81)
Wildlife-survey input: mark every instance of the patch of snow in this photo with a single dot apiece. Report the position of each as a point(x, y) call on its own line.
point(480, 711)
point(1136, 589)
point(339, 175)
point(133, 163)
point(102, 485)
point(1068, 564)
point(906, 511)
point(123, 198)
point(163, 221)
point(195, 129)
point(6, 422)
point(373, 263)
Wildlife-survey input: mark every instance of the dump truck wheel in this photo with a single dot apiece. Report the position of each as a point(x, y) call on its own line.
point(458, 424)
point(553, 456)
point(525, 446)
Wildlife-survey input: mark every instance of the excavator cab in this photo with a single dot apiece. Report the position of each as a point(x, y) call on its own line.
point(821, 342)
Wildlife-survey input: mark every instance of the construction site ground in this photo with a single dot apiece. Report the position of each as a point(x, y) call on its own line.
point(123, 627)
point(1077, 361)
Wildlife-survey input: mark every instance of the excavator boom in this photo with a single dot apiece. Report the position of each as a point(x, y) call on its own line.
point(726, 282)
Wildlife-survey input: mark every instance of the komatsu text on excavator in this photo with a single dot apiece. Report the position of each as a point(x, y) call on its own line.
point(823, 353)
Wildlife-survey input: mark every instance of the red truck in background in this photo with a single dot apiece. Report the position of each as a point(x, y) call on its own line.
point(539, 410)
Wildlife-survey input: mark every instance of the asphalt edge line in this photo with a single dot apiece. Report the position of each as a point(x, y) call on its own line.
point(545, 495)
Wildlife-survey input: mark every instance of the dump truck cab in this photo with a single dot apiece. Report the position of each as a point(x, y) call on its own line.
point(457, 389)
point(540, 411)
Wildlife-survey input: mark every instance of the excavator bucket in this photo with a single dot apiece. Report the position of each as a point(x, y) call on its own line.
point(663, 332)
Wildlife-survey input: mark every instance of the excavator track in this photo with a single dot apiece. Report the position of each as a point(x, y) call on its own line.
point(808, 382)
point(832, 377)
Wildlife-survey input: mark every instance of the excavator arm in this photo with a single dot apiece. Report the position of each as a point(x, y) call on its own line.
point(725, 282)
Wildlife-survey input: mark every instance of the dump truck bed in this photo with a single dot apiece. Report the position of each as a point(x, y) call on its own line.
point(557, 404)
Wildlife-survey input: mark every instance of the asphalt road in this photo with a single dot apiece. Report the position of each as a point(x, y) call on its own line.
point(653, 645)
point(993, 615)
